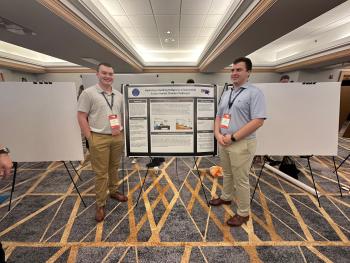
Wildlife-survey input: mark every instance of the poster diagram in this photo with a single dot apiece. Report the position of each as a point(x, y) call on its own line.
point(170, 120)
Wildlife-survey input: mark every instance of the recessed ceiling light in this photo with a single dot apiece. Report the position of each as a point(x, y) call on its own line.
point(168, 32)
point(91, 60)
point(168, 40)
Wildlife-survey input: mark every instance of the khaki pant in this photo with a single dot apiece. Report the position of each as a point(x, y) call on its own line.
point(105, 154)
point(236, 160)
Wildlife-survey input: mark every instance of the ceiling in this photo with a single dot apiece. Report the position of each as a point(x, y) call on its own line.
point(155, 35)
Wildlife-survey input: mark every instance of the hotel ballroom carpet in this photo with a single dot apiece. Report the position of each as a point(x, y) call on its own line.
point(172, 222)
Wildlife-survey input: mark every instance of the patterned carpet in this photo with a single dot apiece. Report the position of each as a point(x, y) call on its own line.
point(172, 222)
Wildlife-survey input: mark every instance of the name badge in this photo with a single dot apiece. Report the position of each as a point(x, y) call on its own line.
point(225, 121)
point(114, 121)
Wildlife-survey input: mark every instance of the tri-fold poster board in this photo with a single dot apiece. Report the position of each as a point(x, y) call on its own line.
point(170, 120)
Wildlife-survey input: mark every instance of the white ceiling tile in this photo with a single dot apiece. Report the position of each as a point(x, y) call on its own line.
point(195, 6)
point(219, 7)
point(192, 20)
point(187, 46)
point(161, 7)
point(113, 7)
point(191, 40)
point(212, 20)
point(151, 43)
point(130, 32)
point(189, 31)
point(207, 31)
point(168, 23)
point(147, 31)
point(136, 7)
point(143, 20)
point(202, 41)
point(122, 21)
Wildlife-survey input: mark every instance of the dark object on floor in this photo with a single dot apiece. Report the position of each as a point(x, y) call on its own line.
point(2, 254)
point(155, 162)
point(271, 161)
point(288, 167)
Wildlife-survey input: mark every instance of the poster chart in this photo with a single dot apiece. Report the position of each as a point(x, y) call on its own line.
point(39, 121)
point(170, 120)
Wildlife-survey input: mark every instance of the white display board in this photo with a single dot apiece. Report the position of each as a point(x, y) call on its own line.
point(302, 119)
point(170, 120)
point(39, 121)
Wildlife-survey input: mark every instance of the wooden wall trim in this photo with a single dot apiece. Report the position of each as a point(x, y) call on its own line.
point(62, 11)
point(314, 61)
point(255, 13)
point(21, 66)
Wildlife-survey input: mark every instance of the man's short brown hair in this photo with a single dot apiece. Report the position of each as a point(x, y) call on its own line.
point(248, 63)
point(103, 64)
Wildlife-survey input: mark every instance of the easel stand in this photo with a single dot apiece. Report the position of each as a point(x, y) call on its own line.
point(292, 180)
point(75, 186)
point(144, 181)
point(198, 173)
point(336, 169)
point(15, 166)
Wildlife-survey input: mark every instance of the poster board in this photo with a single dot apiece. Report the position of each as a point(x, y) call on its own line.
point(39, 121)
point(170, 120)
point(302, 119)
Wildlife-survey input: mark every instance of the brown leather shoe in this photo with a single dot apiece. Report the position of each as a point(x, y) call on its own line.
point(237, 220)
point(100, 213)
point(218, 201)
point(119, 197)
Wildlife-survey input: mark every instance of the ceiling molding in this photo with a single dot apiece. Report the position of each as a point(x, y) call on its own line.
point(313, 62)
point(62, 11)
point(249, 20)
point(171, 70)
point(69, 70)
point(21, 66)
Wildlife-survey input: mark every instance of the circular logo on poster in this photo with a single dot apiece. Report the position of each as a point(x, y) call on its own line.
point(135, 92)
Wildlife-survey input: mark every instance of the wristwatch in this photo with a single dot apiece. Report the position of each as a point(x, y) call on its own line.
point(233, 138)
point(4, 150)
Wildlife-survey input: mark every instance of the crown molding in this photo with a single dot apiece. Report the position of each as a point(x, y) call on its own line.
point(257, 11)
point(21, 66)
point(171, 70)
point(298, 65)
point(308, 62)
point(69, 70)
point(62, 11)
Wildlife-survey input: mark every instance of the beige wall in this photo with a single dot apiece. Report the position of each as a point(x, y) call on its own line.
point(12, 75)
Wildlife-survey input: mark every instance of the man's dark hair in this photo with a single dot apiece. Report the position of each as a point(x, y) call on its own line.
point(284, 77)
point(103, 64)
point(247, 61)
point(190, 81)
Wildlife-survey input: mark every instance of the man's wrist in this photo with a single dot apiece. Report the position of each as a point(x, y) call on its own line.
point(233, 138)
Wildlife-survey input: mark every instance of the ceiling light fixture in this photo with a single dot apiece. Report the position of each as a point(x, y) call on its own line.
point(168, 40)
point(15, 28)
point(168, 32)
point(91, 60)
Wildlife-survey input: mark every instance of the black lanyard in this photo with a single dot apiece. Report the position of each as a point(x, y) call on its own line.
point(110, 105)
point(230, 103)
